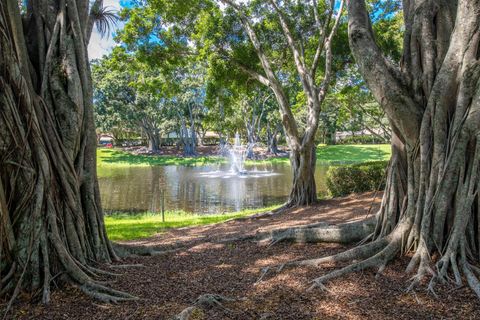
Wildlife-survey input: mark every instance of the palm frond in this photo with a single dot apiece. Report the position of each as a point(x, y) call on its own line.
point(104, 19)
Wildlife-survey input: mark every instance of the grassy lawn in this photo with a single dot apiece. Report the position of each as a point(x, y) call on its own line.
point(357, 153)
point(116, 157)
point(325, 154)
point(129, 226)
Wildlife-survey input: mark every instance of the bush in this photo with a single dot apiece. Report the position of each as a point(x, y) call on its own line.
point(355, 178)
point(362, 140)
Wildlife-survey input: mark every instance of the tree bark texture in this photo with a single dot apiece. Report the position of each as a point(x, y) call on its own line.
point(432, 99)
point(52, 219)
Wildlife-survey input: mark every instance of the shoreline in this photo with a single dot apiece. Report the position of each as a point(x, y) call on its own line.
point(327, 155)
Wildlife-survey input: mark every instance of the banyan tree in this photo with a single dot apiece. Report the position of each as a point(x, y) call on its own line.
point(52, 225)
point(430, 207)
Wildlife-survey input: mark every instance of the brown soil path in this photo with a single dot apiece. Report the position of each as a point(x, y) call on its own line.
point(169, 283)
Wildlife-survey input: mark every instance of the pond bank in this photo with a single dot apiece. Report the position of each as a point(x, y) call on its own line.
point(169, 283)
point(136, 226)
point(337, 154)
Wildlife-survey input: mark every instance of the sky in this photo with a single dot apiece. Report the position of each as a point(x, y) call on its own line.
point(99, 46)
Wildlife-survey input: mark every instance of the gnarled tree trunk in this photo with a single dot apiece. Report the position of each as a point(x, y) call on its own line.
point(52, 220)
point(272, 140)
point(432, 99)
point(433, 102)
point(304, 189)
point(153, 140)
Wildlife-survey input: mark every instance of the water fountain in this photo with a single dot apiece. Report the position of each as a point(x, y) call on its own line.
point(236, 170)
point(238, 154)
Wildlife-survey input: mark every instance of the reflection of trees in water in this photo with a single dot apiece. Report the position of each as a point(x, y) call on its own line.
point(139, 189)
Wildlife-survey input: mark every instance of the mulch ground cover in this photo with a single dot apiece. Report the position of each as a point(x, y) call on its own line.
point(167, 284)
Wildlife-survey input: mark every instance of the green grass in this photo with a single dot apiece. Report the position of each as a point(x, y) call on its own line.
point(115, 157)
point(138, 226)
point(337, 154)
point(343, 154)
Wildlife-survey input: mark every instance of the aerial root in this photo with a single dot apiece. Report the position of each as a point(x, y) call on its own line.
point(205, 302)
point(95, 272)
point(8, 276)
point(375, 261)
point(472, 279)
point(312, 233)
point(360, 252)
point(127, 250)
point(448, 261)
point(104, 272)
point(320, 232)
point(126, 266)
point(106, 294)
point(422, 261)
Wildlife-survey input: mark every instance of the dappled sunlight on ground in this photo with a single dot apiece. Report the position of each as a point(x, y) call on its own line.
point(171, 282)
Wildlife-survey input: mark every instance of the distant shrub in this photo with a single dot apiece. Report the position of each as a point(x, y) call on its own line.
point(356, 178)
point(362, 140)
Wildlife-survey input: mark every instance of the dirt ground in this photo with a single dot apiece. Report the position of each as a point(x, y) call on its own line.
point(169, 283)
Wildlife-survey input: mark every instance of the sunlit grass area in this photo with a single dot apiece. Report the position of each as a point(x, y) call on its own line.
point(357, 153)
point(337, 154)
point(144, 225)
point(116, 157)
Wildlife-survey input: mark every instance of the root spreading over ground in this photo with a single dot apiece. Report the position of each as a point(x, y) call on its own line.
point(196, 263)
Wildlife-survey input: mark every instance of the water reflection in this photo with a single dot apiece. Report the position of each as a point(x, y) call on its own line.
point(202, 189)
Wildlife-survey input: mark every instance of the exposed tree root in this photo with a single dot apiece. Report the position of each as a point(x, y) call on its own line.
point(127, 250)
point(126, 266)
point(373, 254)
point(105, 294)
point(205, 302)
point(359, 252)
point(321, 232)
point(264, 215)
point(313, 233)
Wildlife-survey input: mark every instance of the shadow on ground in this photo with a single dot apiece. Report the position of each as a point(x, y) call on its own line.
point(167, 284)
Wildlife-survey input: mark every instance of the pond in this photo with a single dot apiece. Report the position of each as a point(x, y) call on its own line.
point(198, 189)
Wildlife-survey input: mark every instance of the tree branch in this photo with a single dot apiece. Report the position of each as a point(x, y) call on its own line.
point(282, 99)
point(321, 36)
point(387, 89)
point(328, 55)
point(252, 73)
point(298, 58)
point(321, 91)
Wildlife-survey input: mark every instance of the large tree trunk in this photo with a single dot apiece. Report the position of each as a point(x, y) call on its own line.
point(153, 141)
point(304, 189)
point(301, 144)
point(431, 202)
point(52, 220)
point(272, 140)
point(188, 140)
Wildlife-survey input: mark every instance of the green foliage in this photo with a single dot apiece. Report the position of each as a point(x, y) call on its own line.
point(362, 140)
point(136, 226)
point(356, 178)
point(130, 96)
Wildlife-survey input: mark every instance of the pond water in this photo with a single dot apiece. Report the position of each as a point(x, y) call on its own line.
point(198, 189)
